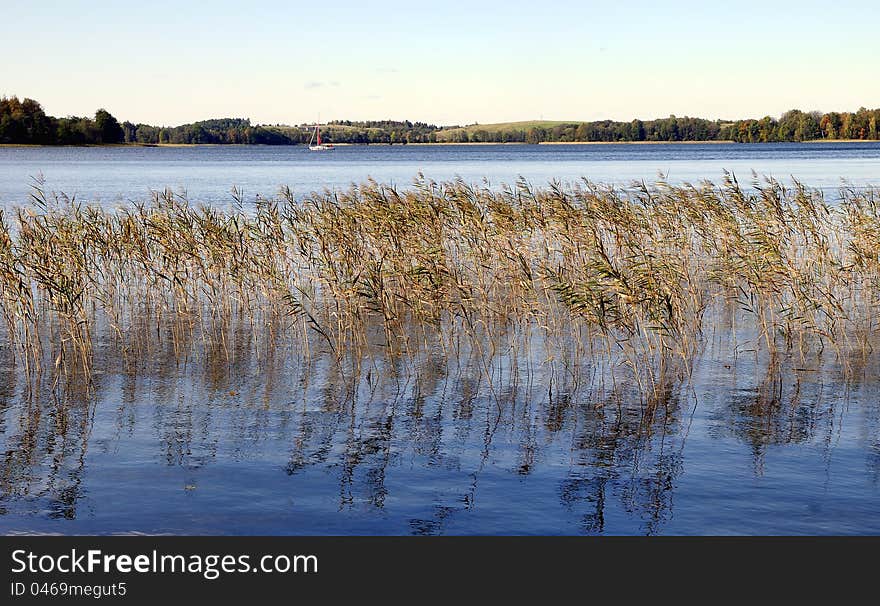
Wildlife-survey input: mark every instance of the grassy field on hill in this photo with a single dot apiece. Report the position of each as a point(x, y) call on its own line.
point(476, 131)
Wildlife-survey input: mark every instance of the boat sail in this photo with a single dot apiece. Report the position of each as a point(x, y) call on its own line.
point(318, 146)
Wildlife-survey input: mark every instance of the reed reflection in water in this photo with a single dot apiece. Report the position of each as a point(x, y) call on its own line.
point(237, 431)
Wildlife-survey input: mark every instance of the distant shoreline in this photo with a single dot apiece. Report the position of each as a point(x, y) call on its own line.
point(842, 141)
point(712, 142)
point(442, 143)
point(131, 145)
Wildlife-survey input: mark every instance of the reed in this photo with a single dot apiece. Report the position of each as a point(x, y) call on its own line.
point(637, 279)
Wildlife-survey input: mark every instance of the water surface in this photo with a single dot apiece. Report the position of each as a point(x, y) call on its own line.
point(234, 440)
point(233, 436)
point(207, 173)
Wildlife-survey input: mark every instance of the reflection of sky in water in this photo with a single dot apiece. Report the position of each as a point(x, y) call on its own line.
point(208, 173)
point(274, 445)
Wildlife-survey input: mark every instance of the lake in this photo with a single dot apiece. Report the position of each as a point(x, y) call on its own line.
point(244, 429)
point(208, 173)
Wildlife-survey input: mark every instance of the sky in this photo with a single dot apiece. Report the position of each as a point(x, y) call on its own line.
point(452, 62)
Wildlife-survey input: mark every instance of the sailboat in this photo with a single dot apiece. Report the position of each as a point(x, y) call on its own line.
point(318, 146)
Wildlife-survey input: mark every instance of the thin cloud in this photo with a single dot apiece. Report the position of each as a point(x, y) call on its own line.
point(320, 84)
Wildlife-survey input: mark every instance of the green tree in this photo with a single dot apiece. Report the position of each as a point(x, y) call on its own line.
point(637, 130)
point(108, 127)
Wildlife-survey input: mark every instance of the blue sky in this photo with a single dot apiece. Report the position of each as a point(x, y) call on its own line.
point(165, 62)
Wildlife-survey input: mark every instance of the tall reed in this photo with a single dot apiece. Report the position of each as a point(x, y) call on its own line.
point(636, 278)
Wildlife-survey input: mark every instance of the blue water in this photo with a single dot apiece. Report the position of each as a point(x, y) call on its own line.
point(208, 173)
point(236, 443)
point(240, 443)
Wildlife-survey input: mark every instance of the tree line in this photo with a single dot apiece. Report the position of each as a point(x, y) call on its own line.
point(25, 122)
point(794, 125)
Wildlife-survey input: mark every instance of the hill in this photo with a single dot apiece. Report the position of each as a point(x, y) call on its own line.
point(500, 131)
point(25, 122)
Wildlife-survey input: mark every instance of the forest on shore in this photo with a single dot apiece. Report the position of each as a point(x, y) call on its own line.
point(23, 121)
